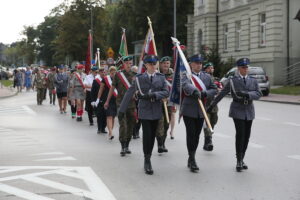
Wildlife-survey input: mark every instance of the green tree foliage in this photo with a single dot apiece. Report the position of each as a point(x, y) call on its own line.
point(73, 27)
point(132, 15)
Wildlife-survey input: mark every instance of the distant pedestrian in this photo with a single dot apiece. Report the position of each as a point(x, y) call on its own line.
point(27, 82)
point(61, 81)
point(19, 80)
point(40, 85)
point(51, 85)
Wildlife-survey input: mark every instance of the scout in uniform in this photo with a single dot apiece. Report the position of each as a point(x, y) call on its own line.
point(244, 89)
point(51, 85)
point(71, 99)
point(40, 85)
point(78, 90)
point(190, 110)
point(213, 115)
point(152, 88)
point(88, 82)
point(122, 81)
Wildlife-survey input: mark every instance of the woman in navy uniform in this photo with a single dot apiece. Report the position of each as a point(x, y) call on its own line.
point(244, 89)
point(152, 88)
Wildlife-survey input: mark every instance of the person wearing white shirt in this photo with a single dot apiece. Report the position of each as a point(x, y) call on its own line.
point(88, 82)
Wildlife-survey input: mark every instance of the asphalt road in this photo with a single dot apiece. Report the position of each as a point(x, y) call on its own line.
point(45, 155)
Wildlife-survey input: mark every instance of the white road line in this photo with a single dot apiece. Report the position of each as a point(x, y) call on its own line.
point(57, 159)
point(97, 190)
point(297, 157)
point(29, 110)
point(48, 153)
point(254, 145)
point(221, 135)
point(60, 186)
point(264, 118)
point(21, 193)
point(291, 123)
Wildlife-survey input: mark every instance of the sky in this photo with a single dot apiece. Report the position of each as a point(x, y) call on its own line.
point(15, 14)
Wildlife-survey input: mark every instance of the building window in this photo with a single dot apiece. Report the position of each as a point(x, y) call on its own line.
point(263, 29)
point(225, 28)
point(200, 39)
point(238, 31)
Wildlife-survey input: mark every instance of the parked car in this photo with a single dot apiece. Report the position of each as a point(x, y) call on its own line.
point(257, 72)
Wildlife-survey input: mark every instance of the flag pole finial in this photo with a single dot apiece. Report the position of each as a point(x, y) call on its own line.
point(149, 21)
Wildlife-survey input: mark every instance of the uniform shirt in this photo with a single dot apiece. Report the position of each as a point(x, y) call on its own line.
point(61, 81)
point(89, 81)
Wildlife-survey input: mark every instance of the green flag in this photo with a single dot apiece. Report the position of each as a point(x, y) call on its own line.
point(123, 46)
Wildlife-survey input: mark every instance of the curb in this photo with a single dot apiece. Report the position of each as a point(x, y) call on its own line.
point(8, 96)
point(281, 102)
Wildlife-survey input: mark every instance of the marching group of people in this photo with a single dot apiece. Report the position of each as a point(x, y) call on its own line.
point(142, 100)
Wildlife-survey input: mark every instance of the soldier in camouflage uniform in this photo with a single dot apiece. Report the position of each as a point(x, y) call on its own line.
point(213, 114)
point(51, 86)
point(128, 122)
point(163, 125)
point(40, 85)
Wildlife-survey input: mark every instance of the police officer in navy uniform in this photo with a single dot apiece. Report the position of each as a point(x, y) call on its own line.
point(190, 110)
point(244, 89)
point(152, 88)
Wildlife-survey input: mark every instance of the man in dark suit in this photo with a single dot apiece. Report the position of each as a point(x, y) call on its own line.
point(244, 89)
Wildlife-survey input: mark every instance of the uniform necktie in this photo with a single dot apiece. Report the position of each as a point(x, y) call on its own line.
point(151, 77)
point(244, 80)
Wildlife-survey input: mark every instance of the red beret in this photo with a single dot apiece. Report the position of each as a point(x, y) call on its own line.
point(80, 66)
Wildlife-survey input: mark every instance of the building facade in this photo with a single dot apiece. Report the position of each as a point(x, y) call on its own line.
point(263, 30)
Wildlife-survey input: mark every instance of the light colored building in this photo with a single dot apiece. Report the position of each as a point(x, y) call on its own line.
point(263, 30)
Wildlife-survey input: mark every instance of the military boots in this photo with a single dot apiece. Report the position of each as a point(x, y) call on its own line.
point(123, 149)
point(147, 165)
point(192, 162)
point(208, 145)
point(239, 162)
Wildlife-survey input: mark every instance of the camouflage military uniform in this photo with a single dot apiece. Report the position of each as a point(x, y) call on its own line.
point(163, 125)
point(212, 116)
point(51, 87)
point(40, 84)
point(128, 122)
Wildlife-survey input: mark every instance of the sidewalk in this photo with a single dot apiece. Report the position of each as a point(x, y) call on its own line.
point(7, 92)
point(280, 98)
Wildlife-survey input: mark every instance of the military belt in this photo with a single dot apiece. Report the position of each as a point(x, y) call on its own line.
point(243, 101)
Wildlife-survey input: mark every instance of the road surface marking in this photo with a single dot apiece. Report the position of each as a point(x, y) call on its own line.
point(29, 110)
point(221, 135)
point(21, 193)
point(48, 153)
point(5, 129)
point(96, 189)
point(254, 145)
point(297, 157)
point(291, 123)
point(57, 159)
point(264, 118)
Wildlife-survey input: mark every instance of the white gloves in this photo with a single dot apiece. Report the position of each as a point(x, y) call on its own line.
point(97, 102)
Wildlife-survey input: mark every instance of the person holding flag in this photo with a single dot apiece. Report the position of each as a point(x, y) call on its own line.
point(152, 89)
point(122, 81)
point(199, 86)
point(78, 90)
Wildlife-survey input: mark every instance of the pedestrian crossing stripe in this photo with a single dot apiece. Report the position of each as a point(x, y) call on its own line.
point(97, 189)
point(15, 110)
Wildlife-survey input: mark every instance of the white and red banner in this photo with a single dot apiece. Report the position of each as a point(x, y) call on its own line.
point(124, 80)
point(80, 80)
point(108, 82)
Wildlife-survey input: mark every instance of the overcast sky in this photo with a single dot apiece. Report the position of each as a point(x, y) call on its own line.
point(14, 14)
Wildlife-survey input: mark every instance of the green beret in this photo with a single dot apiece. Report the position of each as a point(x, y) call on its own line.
point(208, 65)
point(166, 58)
point(127, 58)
